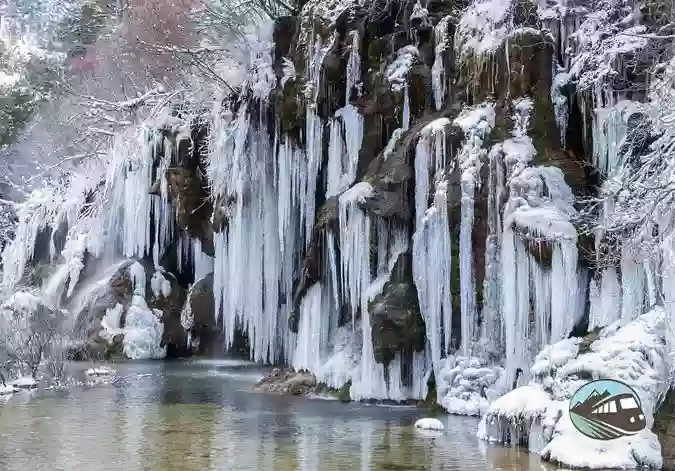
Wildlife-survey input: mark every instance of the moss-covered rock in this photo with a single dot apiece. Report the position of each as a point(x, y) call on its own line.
point(397, 325)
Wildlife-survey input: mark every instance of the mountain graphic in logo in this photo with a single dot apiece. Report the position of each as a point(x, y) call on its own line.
point(607, 409)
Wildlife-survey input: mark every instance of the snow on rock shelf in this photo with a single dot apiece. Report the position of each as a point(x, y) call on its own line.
point(537, 415)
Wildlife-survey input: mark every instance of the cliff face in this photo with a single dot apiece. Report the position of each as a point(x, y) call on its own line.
point(416, 69)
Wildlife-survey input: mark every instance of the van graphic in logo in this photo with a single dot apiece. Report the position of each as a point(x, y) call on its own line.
point(606, 409)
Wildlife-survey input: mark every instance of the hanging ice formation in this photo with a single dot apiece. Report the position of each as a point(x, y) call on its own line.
point(338, 355)
point(438, 77)
point(131, 203)
point(536, 219)
point(477, 123)
point(431, 240)
point(265, 183)
point(432, 254)
point(610, 124)
point(121, 229)
point(346, 131)
point(491, 338)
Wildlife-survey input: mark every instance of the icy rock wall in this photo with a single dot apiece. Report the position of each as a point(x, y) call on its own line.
point(285, 144)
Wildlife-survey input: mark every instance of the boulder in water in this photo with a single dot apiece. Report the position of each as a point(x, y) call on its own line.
point(98, 371)
point(429, 423)
point(288, 381)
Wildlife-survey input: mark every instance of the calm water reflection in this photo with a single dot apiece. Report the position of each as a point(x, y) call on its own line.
point(202, 416)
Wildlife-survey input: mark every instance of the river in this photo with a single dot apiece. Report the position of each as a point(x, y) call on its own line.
point(202, 415)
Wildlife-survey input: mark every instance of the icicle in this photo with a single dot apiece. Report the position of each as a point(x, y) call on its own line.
point(397, 75)
point(432, 273)
point(490, 327)
point(335, 154)
point(438, 79)
point(128, 186)
point(34, 215)
point(343, 151)
point(632, 287)
point(314, 131)
point(477, 123)
point(254, 256)
point(368, 380)
point(607, 307)
point(406, 109)
point(466, 277)
point(371, 382)
point(541, 280)
point(430, 158)
point(354, 245)
point(564, 288)
point(516, 302)
point(312, 331)
point(560, 105)
point(431, 240)
point(161, 208)
point(610, 124)
point(353, 67)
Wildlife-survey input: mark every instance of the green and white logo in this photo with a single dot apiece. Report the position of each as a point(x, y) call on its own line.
point(607, 409)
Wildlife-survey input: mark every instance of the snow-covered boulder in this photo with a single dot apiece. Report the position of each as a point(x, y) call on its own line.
point(429, 423)
point(537, 415)
point(465, 386)
point(99, 371)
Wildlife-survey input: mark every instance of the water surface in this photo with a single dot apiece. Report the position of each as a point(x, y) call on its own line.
point(202, 415)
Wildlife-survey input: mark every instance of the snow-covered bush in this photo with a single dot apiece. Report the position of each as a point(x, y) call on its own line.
point(31, 335)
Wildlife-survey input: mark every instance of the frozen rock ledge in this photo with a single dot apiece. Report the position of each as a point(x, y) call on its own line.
point(537, 416)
